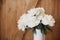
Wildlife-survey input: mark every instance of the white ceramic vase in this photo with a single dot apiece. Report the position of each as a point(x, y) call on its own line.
point(38, 35)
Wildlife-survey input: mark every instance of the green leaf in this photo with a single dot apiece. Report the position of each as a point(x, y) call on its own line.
point(43, 31)
point(28, 28)
point(49, 29)
point(34, 31)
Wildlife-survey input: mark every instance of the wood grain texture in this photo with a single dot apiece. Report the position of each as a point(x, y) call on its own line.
point(0, 18)
point(13, 9)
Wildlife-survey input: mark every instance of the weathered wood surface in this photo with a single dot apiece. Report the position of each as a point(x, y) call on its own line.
point(13, 9)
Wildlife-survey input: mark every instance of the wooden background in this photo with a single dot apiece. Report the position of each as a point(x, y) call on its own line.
point(11, 10)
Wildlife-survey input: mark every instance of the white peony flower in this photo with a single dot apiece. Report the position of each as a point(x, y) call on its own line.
point(25, 20)
point(41, 16)
point(32, 21)
point(47, 19)
point(51, 20)
point(35, 11)
point(32, 18)
point(21, 26)
point(21, 22)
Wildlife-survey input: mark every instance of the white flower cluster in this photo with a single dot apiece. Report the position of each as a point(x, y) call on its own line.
point(32, 18)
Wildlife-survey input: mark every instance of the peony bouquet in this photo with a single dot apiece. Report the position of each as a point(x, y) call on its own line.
point(36, 18)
